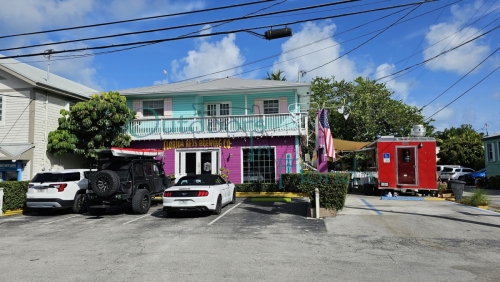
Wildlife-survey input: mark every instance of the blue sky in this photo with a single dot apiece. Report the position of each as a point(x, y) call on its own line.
point(313, 44)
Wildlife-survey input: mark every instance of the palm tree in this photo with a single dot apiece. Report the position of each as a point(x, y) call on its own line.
point(276, 76)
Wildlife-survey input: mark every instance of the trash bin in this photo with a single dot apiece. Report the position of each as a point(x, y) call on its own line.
point(369, 189)
point(458, 188)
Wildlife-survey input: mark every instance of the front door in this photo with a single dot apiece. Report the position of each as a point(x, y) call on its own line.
point(406, 165)
point(190, 162)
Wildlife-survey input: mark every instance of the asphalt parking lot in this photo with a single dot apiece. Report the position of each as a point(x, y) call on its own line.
point(370, 240)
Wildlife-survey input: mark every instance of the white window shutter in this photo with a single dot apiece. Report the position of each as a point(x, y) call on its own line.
point(258, 106)
point(167, 107)
point(283, 105)
point(136, 106)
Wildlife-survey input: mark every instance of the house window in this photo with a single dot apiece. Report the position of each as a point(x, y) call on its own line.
point(215, 121)
point(271, 107)
point(490, 152)
point(259, 165)
point(150, 108)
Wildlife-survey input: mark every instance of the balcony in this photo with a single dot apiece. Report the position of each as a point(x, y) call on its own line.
point(218, 127)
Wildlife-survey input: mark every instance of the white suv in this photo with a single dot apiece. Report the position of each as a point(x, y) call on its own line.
point(455, 172)
point(58, 190)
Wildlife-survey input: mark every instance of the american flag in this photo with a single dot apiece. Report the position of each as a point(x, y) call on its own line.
point(325, 127)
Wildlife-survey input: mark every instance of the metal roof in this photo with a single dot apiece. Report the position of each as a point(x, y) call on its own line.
point(491, 136)
point(220, 84)
point(36, 76)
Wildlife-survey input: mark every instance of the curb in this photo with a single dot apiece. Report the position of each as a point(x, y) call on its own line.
point(271, 194)
point(14, 212)
point(434, 199)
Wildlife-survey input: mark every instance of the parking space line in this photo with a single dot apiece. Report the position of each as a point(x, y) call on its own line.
point(60, 219)
point(137, 218)
point(474, 208)
point(371, 207)
point(223, 214)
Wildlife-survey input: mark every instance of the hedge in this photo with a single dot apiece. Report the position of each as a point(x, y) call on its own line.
point(494, 182)
point(14, 196)
point(332, 187)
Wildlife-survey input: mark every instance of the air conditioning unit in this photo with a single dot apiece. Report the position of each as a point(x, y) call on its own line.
point(418, 131)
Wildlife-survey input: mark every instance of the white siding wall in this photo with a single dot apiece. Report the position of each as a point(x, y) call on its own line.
point(16, 117)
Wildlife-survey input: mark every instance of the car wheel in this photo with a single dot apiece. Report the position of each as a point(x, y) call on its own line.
point(218, 207)
point(96, 211)
point(141, 202)
point(233, 201)
point(105, 183)
point(79, 206)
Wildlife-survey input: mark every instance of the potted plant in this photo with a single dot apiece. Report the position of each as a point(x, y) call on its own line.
point(443, 190)
point(224, 173)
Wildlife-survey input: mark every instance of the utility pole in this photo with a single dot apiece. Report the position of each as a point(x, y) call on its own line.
point(486, 127)
point(301, 73)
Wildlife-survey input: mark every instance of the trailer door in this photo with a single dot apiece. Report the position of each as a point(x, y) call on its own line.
point(406, 166)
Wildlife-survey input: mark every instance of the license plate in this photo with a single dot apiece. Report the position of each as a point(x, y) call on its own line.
point(183, 202)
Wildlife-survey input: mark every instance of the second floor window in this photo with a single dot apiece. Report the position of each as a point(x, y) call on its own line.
point(271, 107)
point(152, 107)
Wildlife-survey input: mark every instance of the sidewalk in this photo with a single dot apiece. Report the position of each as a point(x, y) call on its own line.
point(494, 196)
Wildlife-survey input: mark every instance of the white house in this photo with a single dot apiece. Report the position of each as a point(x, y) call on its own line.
point(30, 104)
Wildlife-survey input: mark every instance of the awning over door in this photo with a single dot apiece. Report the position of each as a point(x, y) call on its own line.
point(14, 150)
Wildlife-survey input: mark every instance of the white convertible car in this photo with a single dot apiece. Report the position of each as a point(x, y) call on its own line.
point(201, 192)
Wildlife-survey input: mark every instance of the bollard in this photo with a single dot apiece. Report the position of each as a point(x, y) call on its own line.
point(317, 202)
point(1, 201)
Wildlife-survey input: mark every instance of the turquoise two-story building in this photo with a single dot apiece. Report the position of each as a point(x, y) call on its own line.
point(492, 154)
point(251, 129)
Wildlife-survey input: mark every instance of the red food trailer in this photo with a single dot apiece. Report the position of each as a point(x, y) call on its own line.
point(406, 164)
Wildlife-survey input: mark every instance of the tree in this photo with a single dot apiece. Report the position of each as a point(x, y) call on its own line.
point(95, 124)
point(461, 146)
point(276, 76)
point(372, 112)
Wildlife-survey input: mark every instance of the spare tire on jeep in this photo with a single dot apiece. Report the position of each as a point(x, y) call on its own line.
point(105, 183)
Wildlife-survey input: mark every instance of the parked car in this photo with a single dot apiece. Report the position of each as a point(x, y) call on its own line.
point(122, 180)
point(252, 176)
point(440, 168)
point(455, 173)
point(201, 192)
point(472, 177)
point(62, 189)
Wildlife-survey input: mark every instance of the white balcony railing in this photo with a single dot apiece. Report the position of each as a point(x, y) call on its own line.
point(248, 125)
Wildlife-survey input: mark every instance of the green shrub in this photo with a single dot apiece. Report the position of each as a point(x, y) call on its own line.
point(258, 187)
point(332, 187)
point(14, 194)
point(494, 182)
point(478, 198)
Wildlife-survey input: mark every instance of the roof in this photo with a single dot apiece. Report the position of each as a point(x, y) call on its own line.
point(220, 84)
point(38, 77)
point(496, 135)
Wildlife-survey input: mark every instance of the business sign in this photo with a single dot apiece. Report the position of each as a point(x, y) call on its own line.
point(387, 157)
point(7, 166)
point(197, 143)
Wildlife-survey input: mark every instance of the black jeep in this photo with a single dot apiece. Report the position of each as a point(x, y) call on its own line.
point(118, 180)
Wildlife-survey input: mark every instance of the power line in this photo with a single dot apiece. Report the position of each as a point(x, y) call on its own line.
point(463, 93)
point(371, 38)
point(217, 33)
point(443, 38)
point(442, 53)
point(461, 78)
point(178, 26)
point(139, 19)
point(436, 61)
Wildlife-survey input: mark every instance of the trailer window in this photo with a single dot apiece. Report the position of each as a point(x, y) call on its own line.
point(406, 156)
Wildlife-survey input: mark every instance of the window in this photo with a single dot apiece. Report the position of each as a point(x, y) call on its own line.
point(271, 107)
point(259, 165)
point(406, 156)
point(73, 176)
point(490, 152)
point(219, 124)
point(152, 107)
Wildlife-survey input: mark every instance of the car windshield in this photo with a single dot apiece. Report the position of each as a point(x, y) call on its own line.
point(196, 180)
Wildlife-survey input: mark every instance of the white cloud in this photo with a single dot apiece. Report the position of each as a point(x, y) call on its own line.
point(400, 88)
point(464, 58)
point(444, 119)
point(495, 96)
point(343, 68)
point(209, 58)
point(206, 29)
